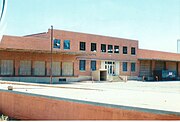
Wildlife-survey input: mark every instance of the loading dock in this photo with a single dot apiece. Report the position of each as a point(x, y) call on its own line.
point(99, 75)
point(158, 70)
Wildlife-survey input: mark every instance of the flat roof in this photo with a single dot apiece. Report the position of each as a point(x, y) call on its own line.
point(144, 54)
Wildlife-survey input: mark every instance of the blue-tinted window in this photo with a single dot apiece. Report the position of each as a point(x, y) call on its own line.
point(133, 67)
point(93, 65)
point(66, 44)
point(56, 43)
point(82, 65)
point(124, 66)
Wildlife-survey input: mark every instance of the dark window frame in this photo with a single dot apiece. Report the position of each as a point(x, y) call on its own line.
point(110, 50)
point(125, 50)
point(82, 46)
point(125, 66)
point(93, 65)
point(102, 48)
point(57, 43)
point(133, 51)
point(94, 47)
point(65, 46)
point(82, 65)
point(116, 47)
point(133, 67)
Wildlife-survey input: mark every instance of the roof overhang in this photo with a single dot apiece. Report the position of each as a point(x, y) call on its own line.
point(158, 59)
point(48, 52)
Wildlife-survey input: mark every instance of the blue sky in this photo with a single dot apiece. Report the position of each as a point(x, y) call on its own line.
point(155, 23)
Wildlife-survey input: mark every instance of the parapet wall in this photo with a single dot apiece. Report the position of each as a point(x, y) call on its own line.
point(25, 106)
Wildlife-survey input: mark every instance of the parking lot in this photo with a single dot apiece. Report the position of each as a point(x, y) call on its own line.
point(153, 95)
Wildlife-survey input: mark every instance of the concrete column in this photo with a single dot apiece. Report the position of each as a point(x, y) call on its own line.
point(138, 67)
point(129, 68)
point(164, 65)
point(177, 69)
point(48, 66)
point(73, 68)
point(16, 66)
point(153, 65)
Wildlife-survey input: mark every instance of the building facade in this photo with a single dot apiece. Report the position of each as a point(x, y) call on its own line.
point(75, 56)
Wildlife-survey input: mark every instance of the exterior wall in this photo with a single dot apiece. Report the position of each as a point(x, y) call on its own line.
point(171, 65)
point(75, 39)
point(160, 65)
point(34, 57)
point(35, 107)
point(34, 45)
point(178, 68)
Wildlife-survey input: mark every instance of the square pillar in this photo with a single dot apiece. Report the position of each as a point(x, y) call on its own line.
point(16, 67)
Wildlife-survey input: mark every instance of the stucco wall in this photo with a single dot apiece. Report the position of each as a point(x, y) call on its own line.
point(35, 107)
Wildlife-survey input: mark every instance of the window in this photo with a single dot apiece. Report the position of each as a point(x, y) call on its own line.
point(125, 50)
point(82, 65)
point(133, 67)
point(110, 49)
point(39, 68)
point(124, 66)
point(56, 43)
point(103, 47)
point(93, 47)
point(25, 67)
point(116, 49)
point(133, 51)
point(93, 65)
point(83, 46)
point(67, 44)
point(6, 67)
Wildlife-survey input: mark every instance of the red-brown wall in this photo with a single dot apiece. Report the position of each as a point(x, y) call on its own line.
point(31, 107)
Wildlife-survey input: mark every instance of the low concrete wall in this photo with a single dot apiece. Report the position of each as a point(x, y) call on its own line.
point(46, 79)
point(25, 106)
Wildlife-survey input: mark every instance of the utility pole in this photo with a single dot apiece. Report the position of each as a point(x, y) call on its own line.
point(51, 54)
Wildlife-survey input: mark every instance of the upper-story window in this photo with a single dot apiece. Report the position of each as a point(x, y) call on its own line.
point(110, 49)
point(116, 49)
point(56, 43)
point(93, 47)
point(133, 51)
point(125, 50)
point(103, 47)
point(82, 46)
point(67, 44)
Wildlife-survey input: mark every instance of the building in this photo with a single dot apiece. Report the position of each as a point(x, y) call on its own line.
point(75, 55)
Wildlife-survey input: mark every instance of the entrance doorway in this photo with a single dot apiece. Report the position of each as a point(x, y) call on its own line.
point(110, 66)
